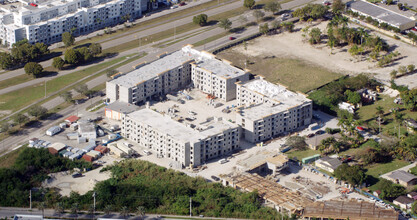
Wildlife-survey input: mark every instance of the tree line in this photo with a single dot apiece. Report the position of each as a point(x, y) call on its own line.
point(21, 53)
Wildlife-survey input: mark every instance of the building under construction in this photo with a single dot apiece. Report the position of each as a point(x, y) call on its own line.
point(283, 199)
point(352, 210)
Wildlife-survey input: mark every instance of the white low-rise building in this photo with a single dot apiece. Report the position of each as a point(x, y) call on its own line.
point(179, 142)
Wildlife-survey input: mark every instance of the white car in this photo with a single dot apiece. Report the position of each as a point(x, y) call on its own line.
point(174, 6)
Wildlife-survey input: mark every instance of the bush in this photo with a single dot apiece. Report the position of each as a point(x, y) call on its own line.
point(200, 19)
point(33, 69)
point(58, 63)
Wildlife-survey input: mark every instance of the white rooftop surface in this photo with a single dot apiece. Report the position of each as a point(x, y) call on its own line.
point(176, 130)
point(277, 92)
point(156, 67)
point(220, 68)
point(263, 110)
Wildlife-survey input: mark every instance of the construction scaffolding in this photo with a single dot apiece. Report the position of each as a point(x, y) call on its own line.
point(354, 210)
point(283, 199)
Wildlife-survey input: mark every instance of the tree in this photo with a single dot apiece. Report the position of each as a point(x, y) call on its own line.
point(34, 69)
point(41, 207)
point(72, 56)
point(67, 96)
point(68, 39)
point(352, 174)
point(6, 60)
point(289, 26)
point(200, 19)
point(58, 63)
point(402, 70)
point(95, 49)
point(315, 36)
point(124, 211)
point(111, 72)
point(20, 118)
point(297, 142)
point(37, 111)
point(400, 6)
point(411, 68)
point(225, 23)
point(82, 89)
point(393, 74)
point(258, 14)
point(338, 6)
point(352, 97)
point(273, 7)
point(264, 29)
point(107, 209)
point(390, 190)
point(414, 208)
point(4, 127)
point(84, 54)
point(248, 4)
point(75, 209)
point(140, 211)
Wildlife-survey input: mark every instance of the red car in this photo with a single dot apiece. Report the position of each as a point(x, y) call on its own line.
point(414, 28)
point(182, 3)
point(232, 38)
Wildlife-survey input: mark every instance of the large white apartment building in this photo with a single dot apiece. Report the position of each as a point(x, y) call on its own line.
point(268, 110)
point(174, 71)
point(179, 142)
point(45, 20)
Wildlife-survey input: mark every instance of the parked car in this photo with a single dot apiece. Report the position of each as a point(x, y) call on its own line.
point(311, 135)
point(319, 132)
point(222, 161)
point(76, 175)
point(182, 4)
point(215, 178)
point(174, 6)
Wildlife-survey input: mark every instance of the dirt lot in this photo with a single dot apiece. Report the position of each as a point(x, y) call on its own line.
point(286, 59)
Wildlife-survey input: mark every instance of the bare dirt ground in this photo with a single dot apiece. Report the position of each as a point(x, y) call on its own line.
point(292, 45)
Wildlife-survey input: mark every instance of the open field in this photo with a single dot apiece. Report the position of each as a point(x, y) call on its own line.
point(296, 74)
point(376, 170)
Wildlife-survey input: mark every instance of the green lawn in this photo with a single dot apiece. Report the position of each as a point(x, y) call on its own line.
point(8, 160)
point(296, 74)
point(376, 170)
point(15, 80)
point(22, 97)
point(300, 154)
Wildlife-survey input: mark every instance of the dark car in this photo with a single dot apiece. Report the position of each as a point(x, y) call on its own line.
point(319, 132)
point(76, 175)
point(310, 135)
point(182, 3)
point(215, 178)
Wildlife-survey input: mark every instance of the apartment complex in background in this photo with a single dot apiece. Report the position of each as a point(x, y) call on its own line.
point(268, 110)
point(185, 145)
point(174, 71)
point(44, 21)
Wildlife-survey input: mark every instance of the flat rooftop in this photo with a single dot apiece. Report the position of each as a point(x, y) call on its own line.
point(220, 68)
point(263, 110)
point(348, 209)
point(176, 59)
point(381, 13)
point(122, 107)
point(177, 130)
point(279, 93)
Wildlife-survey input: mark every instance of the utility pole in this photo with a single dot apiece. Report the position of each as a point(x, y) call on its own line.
point(30, 199)
point(45, 88)
point(94, 206)
point(175, 28)
point(190, 206)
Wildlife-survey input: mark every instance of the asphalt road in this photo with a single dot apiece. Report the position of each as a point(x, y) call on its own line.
point(12, 142)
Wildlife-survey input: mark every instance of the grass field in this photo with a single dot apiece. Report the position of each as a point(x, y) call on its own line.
point(378, 169)
point(297, 75)
point(300, 154)
point(8, 160)
point(15, 80)
point(22, 97)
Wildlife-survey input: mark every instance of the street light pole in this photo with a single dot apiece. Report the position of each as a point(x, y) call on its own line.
point(190, 206)
point(30, 199)
point(94, 206)
point(45, 88)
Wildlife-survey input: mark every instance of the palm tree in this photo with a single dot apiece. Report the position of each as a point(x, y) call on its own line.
point(75, 209)
point(398, 117)
point(107, 209)
point(59, 209)
point(124, 212)
point(41, 206)
point(140, 211)
point(225, 23)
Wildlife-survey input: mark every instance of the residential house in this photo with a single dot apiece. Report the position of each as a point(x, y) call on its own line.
point(315, 141)
point(403, 178)
point(328, 164)
point(412, 195)
point(411, 124)
point(403, 202)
